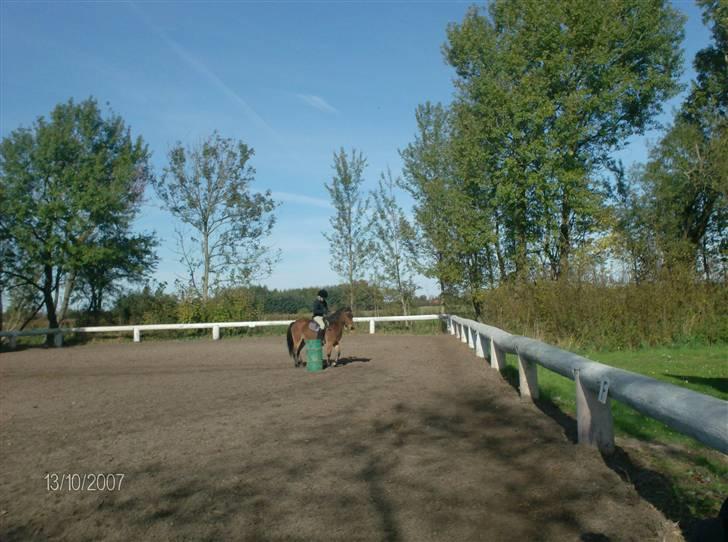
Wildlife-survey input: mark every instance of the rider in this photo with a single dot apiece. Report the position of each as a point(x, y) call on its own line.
point(320, 309)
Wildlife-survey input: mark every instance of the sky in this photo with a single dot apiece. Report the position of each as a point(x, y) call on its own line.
point(294, 80)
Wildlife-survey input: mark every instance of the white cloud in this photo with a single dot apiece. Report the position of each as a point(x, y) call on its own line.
point(317, 102)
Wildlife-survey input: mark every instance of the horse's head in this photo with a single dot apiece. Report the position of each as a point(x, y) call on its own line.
point(347, 318)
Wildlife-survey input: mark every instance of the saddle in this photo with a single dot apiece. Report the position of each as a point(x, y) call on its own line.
point(313, 326)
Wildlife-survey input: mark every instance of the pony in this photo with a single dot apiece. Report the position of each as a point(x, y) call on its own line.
point(300, 331)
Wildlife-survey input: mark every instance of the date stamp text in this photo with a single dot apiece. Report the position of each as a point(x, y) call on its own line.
point(83, 482)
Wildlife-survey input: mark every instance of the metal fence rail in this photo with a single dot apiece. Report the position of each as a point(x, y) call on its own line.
point(214, 326)
point(700, 416)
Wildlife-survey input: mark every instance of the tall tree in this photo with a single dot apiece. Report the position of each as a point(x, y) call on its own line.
point(393, 243)
point(67, 182)
point(429, 178)
point(686, 178)
point(553, 89)
point(208, 188)
point(453, 214)
point(348, 240)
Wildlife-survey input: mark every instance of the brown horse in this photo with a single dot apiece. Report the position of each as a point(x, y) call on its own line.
point(300, 331)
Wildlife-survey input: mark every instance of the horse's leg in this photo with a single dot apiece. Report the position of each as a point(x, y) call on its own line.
point(328, 354)
point(301, 344)
point(338, 353)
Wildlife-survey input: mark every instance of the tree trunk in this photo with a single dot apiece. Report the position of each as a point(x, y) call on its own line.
point(70, 283)
point(49, 302)
point(564, 240)
point(206, 271)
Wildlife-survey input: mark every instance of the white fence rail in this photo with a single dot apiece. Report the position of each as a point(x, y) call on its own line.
point(214, 326)
point(700, 416)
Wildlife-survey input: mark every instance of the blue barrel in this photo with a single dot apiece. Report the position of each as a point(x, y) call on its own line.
point(314, 355)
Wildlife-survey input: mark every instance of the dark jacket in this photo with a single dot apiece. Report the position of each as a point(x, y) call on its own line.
point(320, 308)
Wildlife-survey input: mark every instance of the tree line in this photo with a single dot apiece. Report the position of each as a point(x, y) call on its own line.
point(515, 181)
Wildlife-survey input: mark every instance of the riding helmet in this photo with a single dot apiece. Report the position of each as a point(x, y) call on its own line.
point(323, 293)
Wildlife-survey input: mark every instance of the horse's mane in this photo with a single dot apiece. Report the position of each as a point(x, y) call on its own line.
point(336, 316)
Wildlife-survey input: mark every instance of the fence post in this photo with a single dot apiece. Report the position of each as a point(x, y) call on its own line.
point(137, 335)
point(451, 326)
point(464, 333)
point(456, 328)
point(594, 423)
point(13, 342)
point(527, 378)
point(471, 339)
point(215, 333)
point(372, 327)
point(497, 356)
point(479, 345)
point(58, 339)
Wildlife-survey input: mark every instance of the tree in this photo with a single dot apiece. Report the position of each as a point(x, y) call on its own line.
point(67, 183)
point(208, 187)
point(429, 179)
point(546, 92)
point(348, 240)
point(685, 181)
point(118, 259)
point(453, 214)
point(392, 241)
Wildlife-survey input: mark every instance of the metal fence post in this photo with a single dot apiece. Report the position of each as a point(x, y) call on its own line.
point(595, 426)
point(58, 339)
point(137, 335)
point(464, 333)
point(372, 326)
point(13, 341)
point(215, 333)
point(471, 339)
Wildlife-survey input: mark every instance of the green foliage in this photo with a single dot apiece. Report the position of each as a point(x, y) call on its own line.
point(208, 188)
point(674, 215)
point(71, 187)
point(348, 240)
point(393, 244)
point(546, 92)
point(146, 306)
point(609, 315)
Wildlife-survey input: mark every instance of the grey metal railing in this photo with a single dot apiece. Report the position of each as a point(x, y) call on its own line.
point(700, 416)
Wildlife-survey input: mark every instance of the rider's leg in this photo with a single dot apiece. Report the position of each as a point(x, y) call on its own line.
point(322, 324)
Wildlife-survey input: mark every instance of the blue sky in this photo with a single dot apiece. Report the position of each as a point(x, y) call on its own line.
point(295, 80)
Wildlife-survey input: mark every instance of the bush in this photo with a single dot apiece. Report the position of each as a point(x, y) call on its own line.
point(611, 315)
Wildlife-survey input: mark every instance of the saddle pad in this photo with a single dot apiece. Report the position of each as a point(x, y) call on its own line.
point(313, 326)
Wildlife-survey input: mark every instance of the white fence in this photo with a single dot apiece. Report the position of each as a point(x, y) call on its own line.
point(700, 416)
point(215, 327)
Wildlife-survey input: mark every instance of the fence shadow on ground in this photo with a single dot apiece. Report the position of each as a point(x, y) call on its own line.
point(651, 485)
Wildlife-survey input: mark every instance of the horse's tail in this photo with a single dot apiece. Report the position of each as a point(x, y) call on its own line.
point(289, 338)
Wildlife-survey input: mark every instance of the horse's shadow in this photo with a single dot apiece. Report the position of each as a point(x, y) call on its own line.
point(352, 359)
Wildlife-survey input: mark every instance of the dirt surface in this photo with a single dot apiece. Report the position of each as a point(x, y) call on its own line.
point(413, 439)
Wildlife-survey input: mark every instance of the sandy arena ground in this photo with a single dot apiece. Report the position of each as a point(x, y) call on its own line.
point(413, 439)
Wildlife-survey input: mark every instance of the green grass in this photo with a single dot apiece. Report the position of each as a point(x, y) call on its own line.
point(698, 475)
